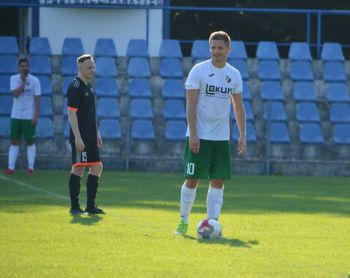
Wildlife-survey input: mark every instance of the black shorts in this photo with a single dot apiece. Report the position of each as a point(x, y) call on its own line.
point(89, 157)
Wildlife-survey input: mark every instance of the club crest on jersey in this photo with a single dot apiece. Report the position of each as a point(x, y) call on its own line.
point(228, 79)
point(211, 74)
point(86, 94)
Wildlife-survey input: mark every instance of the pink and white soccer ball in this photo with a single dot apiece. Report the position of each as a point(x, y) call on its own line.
point(208, 229)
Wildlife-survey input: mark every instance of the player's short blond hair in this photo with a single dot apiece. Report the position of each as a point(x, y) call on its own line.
point(84, 57)
point(220, 35)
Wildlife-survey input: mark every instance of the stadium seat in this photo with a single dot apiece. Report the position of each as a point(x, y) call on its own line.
point(66, 81)
point(141, 108)
point(170, 49)
point(137, 48)
point(334, 72)
point(299, 51)
point(272, 90)
point(110, 129)
point(8, 64)
point(142, 130)
point(337, 92)
point(251, 137)
point(6, 105)
point(175, 130)
point(301, 71)
point(44, 128)
point(8, 45)
point(65, 107)
point(107, 108)
point(105, 66)
point(267, 50)
point(279, 133)
point(40, 65)
point(332, 52)
point(5, 123)
point(45, 84)
point(105, 47)
point(248, 111)
point(173, 88)
point(238, 51)
point(4, 84)
point(170, 68)
point(304, 91)
point(66, 129)
point(139, 68)
point(310, 133)
point(106, 87)
point(241, 65)
point(246, 91)
point(269, 70)
point(200, 50)
point(341, 134)
point(277, 111)
point(40, 46)
point(72, 47)
point(140, 88)
point(307, 112)
point(46, 107)
point(340, 113)
point(174, 109)
point(69, 66)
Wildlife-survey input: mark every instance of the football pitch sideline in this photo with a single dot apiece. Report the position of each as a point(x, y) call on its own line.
point(273, 227)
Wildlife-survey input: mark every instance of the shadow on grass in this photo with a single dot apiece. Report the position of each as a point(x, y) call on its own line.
point(85, 219)
point(233, 242)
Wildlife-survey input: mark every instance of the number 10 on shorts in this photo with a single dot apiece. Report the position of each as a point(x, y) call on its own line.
point(190, 168)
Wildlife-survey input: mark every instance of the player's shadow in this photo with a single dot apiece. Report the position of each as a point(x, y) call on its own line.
point(233, 242)
point(85, 219)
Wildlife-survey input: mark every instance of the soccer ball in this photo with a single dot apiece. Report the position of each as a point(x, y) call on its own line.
point(208, 229)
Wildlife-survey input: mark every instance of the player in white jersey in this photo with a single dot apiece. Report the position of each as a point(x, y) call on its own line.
point(24, 116)
point(211, 87)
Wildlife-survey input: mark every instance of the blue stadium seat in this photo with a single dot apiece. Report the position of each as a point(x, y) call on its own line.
point(269, 70)
point(106, 87)
point(279, 133)
point(272, 90)
point(341, 134)
point(248, 111)
point(300, 51)
point(310, 133)
point(139, 68)
point(238, 51)
point(175, 130)
point(142, 130)
point(110, 129)
point(251, 137)
point(5, 123)
point(246, 91)
point(137, 48)
point(337, 92)
point(267, 50)
point(66, 81)
point(107, 108)
point(4, 84)
point(140, 88)
point(340, 113)
point(241, 65)
point(301, 71)
point(171, 68)
point(40, 46)
point(6, 105)
point(141, 108)
point(8, 64)
point(67, 129)
point(173, 88)
point(45, 84)
point(65, 109)
point(8, 45)
point(332, 52)
point(334, 72)
point(200, 50)
point(277, 112)
point(304, 91)
point(307, 112)
point(44, 128)
point(105, 47)
point(69, 66)
point(72, 47)
point(46, 107)
point(170, 49)
point(40, 65)
point(105, 66)
point(174, 109)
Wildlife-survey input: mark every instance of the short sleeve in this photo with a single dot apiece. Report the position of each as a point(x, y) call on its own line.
point(73, 98)
point(37, 87)
point(238, 88)
point(193, 79)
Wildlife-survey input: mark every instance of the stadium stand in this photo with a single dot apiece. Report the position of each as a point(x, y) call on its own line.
point(72, 47)
point(171, 68)
point(170, 49)
point(142, 130)
point(238, 51)
point(332, 52)
point(110, 129)
point(334, 72)
point(137, 48)
point(341, 134)
point(299, 51)
point(46, 107)
point(340, 113)
point(307, 112)
point(40, 46)
point(69, 66)
point(141, 108)
point(272, 90)
point(241, 65)
point(173, 88)
point(105, 66)
point(8, 64)
point(140, 88)
point(139, 68)
point(269, 70)
point(4, 84)
point(107, 108)
point(175, 130)
point(174, 109)
point(40, 65)
point(304, 91)
point(310, 133)
point(337, 92)
point(44, 129)
point(276, 113)
point(251, 137)
point(301, 71)
point(106, 87)
point(267, 50)
point(105, 47)
point(200, 50)
point(46, 85)
point(279, 133)
point(6, 105)
point(8, 45)
point(5, 127)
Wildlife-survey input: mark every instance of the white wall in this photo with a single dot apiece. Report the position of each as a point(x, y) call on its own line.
point(90, 24)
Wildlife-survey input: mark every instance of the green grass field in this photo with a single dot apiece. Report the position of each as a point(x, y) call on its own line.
point(273, 226)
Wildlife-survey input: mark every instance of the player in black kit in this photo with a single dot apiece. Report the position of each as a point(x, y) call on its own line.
point(84, 136)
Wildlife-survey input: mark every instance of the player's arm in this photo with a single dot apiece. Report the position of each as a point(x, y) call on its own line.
point(191, 111)
point(73, 120)
point(37, 110)
point(240, 116)
point(16, 91)
point(99, 137)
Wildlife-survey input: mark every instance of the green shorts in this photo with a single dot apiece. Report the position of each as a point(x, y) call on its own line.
point(212, 162)
point(22, 127)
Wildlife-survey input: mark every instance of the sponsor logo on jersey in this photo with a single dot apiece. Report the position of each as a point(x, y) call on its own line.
point(217, 91)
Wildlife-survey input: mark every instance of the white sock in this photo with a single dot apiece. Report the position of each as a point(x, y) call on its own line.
point(215, 198)
point(13, 153)
point(31, 152)
point(187, 199)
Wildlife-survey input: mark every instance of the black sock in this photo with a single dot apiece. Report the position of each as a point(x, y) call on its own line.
point(74, 190)
point(91, 188)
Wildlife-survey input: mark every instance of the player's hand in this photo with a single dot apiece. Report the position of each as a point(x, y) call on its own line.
point(242, 145)
point(79, 144)
point(35, 121)
point(99, 140)
point(194, 144)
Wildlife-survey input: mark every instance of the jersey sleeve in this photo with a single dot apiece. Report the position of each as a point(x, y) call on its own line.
point(73, 98)
point(238, 88)
point(193, 79)
point(13, 83)
point(37, 87)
